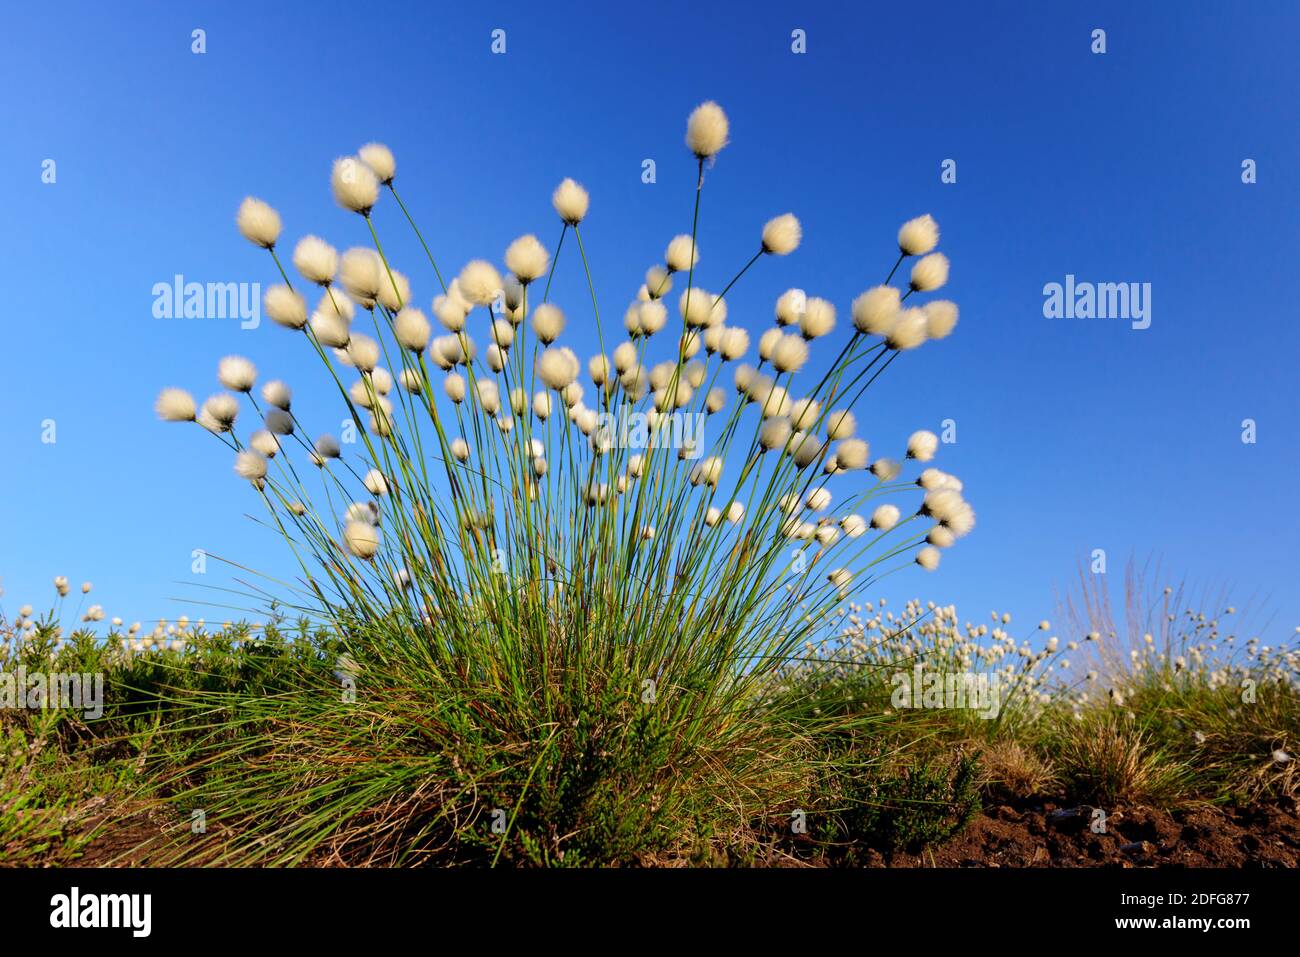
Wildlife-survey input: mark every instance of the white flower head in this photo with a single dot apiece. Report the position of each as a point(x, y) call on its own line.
point(527, 258)
point(316, 259)
point(412, 329)
point(175, 405)
point(706, 130)
point(258, 222)
point(908, 330)
point(682, 254)
point(789, 354)
point(885, 517)
point(480, 283)
point(236, 374)
point(361, 539)
point(930, 272)
point(375, 482)
point(277, 393)
point(548, 322)
point(285, 307)
point(940, 318)
point(381, 161)
point(875, 310)
point(818, 318)
point(570, 201)
point(922, 445)
point(250, 465)
point(916, 237)
point(781, 235)
point(355, 185)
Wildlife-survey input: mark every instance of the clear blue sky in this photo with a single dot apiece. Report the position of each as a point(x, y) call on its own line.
point(1072, 434)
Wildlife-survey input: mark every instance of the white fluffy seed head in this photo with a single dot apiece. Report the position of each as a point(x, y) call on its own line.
point(908, 330)
point(940, 318)
point(707, 129)
point(479, 282)
point(782, 234)
point(527, 258)
point(236, 374)
point(928, 558)
point(285, 307)
point(411, 381)
point(278, 394)
point(394, 289)
point(716, 400)
point(380, 159)
point(361, 272)
point(818, 499)
point(885, 469)
point(735, 513)
point(375, 482)
point(598, 369)
point(941, 536)
point(175, 405)
point(853, 526)
point(278, 422)
point(658, 281)
point(733, 343)
point(790, 307)
point(840, 424)
point(804, 413)
point(364, 352)
point(412, 329)
point(697, 308)
point(875, 310)
point(258, 222)
point(682, 254)
point(707, 472)
point(250, 465)
point(885, 517)
point(624, 357)
point(555, 369)
point(930, 272)
point(460, 450)
point(330, 329)
point(454, 386)
point(222, 409)
point(326, 447)
point(767, 343)
point(789, 354)
point(922, 445)
point(548, 322)
point(355, 185)
point(361, 539)
point(542, 405)
point(652, 316)
point(570, 201)
point(818, 318)
point(852, 454)
point(316, 259)
point(916, 237)
point(774, 433)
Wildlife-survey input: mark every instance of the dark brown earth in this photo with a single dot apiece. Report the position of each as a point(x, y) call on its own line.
point(1031, 833)
point(1044, 834)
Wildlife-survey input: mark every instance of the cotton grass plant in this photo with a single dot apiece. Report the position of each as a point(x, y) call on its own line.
point(563, 640)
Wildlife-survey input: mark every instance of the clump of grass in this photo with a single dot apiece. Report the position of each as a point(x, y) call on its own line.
point(1109, 758)
point(562, 613)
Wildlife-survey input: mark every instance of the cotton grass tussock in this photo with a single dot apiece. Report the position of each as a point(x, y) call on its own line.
point(549, 541)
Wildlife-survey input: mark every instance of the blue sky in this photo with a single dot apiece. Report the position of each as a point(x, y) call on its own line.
point(1072, 434)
